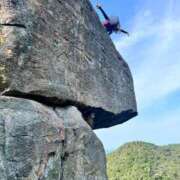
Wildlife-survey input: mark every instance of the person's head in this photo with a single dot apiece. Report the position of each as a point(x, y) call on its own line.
point(114, 21)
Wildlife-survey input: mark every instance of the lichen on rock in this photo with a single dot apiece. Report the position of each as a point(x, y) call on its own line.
point(3, 78)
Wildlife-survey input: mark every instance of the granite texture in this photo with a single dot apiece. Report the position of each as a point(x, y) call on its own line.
point(38, 142)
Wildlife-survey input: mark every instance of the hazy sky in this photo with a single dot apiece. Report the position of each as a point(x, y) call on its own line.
point(153, 54)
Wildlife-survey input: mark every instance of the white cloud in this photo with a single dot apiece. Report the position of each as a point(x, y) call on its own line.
point(153, 52)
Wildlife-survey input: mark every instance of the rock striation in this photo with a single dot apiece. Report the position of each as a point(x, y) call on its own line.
point(58, 52)
point(60, 78)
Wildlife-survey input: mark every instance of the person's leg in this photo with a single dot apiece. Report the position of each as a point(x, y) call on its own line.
point(125, 32)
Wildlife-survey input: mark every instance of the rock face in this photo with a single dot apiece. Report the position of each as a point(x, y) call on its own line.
point(60, 78)
point(57, 52)
point(39, 142)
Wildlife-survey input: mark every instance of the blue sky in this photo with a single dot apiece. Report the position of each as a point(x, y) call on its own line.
point(153, 54)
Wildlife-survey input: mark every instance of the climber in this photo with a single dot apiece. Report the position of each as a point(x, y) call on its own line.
point(111, 24)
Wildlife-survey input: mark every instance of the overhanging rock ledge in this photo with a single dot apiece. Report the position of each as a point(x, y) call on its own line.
point(57, 52)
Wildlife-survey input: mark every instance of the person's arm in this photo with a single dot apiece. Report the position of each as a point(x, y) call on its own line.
point(103, 12)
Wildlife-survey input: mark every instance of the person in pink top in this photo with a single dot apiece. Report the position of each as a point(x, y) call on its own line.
point(111, 24)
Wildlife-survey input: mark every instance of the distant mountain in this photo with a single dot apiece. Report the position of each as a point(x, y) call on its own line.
point(144, 161)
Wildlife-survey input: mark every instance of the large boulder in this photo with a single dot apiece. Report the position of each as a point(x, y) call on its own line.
point(57, 52)
point(40, 142)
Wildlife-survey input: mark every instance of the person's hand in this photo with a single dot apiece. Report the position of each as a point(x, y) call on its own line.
point(98, 5)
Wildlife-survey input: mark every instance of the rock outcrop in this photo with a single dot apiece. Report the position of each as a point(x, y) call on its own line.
point(58, 52)
point(41, 142)
point(60, 78)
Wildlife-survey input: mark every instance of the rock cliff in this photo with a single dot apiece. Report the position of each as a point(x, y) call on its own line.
point(41, 142)
point(60, 77)
point(58, 52)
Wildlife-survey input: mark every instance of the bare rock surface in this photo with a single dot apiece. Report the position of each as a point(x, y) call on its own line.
point(60, 78)
point(57, 51)
point(43, 143)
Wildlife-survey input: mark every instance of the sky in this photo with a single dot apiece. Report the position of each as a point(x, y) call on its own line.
point(153, 54)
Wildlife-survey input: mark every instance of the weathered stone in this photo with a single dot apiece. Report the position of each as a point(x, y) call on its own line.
point(40, 142)
point(57, 51)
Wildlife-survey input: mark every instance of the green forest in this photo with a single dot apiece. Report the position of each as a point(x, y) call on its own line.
point(144, 161)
